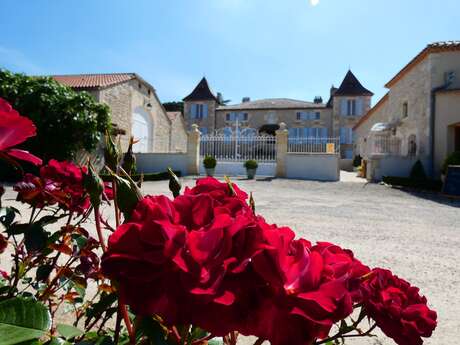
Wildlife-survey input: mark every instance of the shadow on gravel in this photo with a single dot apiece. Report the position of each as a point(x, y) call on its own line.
point(432, 196)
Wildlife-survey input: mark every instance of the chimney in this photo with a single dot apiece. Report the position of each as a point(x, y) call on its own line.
point(318, 100)
point(333, 90)
point(246, 99)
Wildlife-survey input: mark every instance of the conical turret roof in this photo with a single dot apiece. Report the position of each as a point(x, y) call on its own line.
point(352, 87)
point(202, 92)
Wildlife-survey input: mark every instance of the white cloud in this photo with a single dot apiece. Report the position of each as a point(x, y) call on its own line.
point(314, 2)
point(16, 61)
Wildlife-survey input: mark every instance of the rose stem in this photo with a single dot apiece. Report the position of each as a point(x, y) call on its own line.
point(97, 216)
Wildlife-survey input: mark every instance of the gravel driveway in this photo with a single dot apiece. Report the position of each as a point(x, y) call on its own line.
point(416, 235)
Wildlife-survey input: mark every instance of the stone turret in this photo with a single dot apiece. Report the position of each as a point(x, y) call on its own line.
point(200, 107)
point(350, 102)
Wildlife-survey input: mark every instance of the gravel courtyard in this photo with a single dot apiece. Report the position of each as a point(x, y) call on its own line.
point(415, 235)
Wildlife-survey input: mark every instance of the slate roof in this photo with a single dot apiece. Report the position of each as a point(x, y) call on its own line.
point(273, 103)
point(202, 92)
point(352, 87)
point(93, 81)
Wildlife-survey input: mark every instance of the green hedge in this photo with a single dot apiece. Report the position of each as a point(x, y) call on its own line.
point(160, 176)
point(423, 184)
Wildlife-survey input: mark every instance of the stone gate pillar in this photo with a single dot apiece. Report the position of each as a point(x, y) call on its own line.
point(281, 150)
point(193, 151)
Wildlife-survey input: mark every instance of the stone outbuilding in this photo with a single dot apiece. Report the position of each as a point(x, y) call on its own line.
point(419, 117)
point(135, 110)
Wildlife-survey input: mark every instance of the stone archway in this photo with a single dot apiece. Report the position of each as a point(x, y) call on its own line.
point(142, 130)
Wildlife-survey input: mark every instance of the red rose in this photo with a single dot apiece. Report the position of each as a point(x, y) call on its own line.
point(14, 130)
point(397, 308)
point(59, 182)
point(187, 259)
point(307, 296)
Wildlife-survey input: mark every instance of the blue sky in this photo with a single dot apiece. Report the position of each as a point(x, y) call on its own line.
point(256, 48)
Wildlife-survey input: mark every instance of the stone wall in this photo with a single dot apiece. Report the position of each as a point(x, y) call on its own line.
point(178, 135)
point(258, 118)
point(447, 127)
point(207, 122)
point(123, 99)
point(361, 133)
point(415, 89)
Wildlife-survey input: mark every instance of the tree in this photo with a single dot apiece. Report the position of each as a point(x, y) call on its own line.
point(174, 106)
point(66, 121)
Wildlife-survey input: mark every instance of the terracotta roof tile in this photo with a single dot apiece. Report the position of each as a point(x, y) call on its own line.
point(93, 81)
point(436, 47)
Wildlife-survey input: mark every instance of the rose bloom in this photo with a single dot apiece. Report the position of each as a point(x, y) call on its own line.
point(14, 130)
point(308, 288)
point(397, 308)
point(59, 182)
point(182, 259)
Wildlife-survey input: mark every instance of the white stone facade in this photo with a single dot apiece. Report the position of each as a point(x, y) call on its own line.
point(134, 96)
point(413, 103)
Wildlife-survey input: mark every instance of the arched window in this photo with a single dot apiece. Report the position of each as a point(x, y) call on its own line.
point(142, 130)
point(412, 146)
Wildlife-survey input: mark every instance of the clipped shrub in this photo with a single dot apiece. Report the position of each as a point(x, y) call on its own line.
point(209, 162)
point(251, 164)
point(452, 159)
point(357, 161)
point(418, 172)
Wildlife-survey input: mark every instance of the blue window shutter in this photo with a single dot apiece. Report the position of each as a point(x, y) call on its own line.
point(342, 136)
point(343, 107)
point(193, 111)
point(227, 116)
point(324, 132)
point(205, 111)
point(359, 107)
point(291, 132)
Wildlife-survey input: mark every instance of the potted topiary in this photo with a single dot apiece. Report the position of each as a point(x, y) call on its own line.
point(209, 163)
point(251, 168)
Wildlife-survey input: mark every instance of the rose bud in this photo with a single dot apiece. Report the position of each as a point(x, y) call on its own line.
point(111, 153)
point(174, 183)
point(94, 186)
point(129, 159)
point(128, 193)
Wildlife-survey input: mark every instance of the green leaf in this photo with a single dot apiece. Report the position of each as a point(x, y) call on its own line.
point(153, 330)
point(22, 320)
point(7, 216)
point(97, 309)
point(35, 237)
point(68, 331)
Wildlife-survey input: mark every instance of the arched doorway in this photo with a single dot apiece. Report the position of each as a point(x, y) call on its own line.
point(142, 130)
